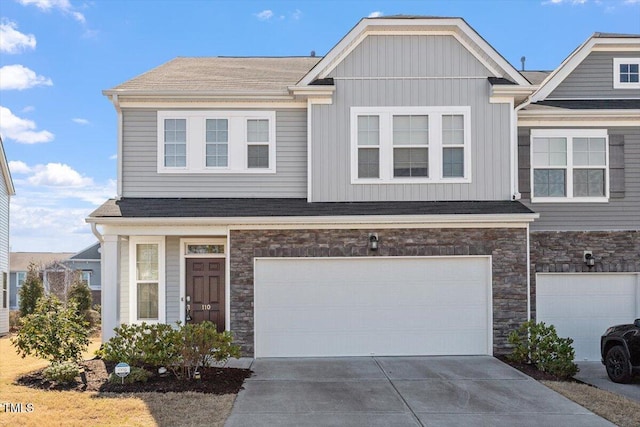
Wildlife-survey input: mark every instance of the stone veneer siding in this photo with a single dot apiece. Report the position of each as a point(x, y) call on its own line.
point(562, 252)
point(507, 246)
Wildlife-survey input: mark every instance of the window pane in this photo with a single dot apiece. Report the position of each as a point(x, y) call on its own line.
point(217, 130)
point(147, 261)
point(205, 249)
point(410, 162)
point(453, 162)
point(588, 183)
point(257, 130)
point(258, 156)
point(589, 151)
point(368, 163)
point(148, 301)
point(368, 130)
point(453, 129)
point(175, 142)
point(217, 140)
point(549, 151)
point(410, 130)
point(549, 183)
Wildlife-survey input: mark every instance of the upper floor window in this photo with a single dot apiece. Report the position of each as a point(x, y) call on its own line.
point(86, 277)
point(410, 145)
point(216, 142)
point(569, 165)
point(626, 73)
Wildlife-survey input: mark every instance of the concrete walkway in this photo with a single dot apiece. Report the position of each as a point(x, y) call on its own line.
point(400, 391)
point(595, 373)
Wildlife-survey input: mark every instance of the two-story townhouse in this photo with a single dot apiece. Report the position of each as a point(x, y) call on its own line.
point(579, 165)
point(360, 203)
point(6, 191)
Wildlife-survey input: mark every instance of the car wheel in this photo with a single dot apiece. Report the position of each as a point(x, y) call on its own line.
point(617, 363)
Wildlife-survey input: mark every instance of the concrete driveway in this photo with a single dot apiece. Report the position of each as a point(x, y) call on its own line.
point(595, 373)
point(400, 391)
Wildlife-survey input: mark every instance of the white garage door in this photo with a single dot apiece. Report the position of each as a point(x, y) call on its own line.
point(309, 307)
point(583, 305)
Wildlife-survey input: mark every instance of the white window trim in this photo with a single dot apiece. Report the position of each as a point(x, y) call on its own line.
point(133, 291)
point(196, 142)
point(617, 84)
point(570, 134)
point(435, 144)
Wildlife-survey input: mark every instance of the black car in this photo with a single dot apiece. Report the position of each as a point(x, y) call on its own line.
point(620, 350)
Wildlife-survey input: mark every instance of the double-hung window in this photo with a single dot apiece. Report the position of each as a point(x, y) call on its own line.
point(569, 165)
point(146, 275)
point(216, 142)
point(399, 145)
point(626, 73)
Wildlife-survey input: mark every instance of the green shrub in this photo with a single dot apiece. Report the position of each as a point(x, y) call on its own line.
point(53, 332)
point(180, 349)
point(31, 291)
point(14, 321)
point(92, 318)
point(81, 294)
point(539, 344)
point(136, 375)
point(64, 372)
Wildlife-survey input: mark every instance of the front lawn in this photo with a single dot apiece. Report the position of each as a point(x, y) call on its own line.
point(25, 406)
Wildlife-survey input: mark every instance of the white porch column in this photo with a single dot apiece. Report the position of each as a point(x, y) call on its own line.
point(110, 292)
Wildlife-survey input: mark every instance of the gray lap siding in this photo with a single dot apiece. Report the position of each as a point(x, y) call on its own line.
point(507, 246)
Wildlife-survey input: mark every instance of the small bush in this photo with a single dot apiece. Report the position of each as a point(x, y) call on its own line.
point(14, 321)
point(97, 307)
point(137, 375)
point(64, 372)
point(53, 332)
point(31, 291)
point(539, 344)
point(92, 318)
point(81, 294)
point(203, 344)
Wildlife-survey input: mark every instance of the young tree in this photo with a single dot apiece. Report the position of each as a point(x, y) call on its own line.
point(32, 290)
point(80, 293)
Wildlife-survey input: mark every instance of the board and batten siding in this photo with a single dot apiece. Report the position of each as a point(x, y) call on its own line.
point(593, 78)
point(410, 70)
point(140, 177)
point(4, 253)
point(621, 212)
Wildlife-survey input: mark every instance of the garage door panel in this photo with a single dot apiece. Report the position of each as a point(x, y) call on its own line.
point(363, 306)
point(583, 306)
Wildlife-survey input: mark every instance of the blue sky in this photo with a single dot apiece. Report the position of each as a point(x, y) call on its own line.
point(56, 56)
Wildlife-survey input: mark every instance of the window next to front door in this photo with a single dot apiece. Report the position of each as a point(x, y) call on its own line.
point(146, 280)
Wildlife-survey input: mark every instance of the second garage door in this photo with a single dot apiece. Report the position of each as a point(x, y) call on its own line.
point(307, 307)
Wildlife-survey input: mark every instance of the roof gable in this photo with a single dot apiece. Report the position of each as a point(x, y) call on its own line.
point(598, 41)
point(455, 27)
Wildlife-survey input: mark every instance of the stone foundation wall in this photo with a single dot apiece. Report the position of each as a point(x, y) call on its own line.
point(562, 252)
point(507, 246)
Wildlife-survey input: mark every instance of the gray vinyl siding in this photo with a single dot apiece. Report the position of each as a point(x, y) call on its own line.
point(410, 70)
point(618, 214)
point(141, 179)
point(593, 78)
point(172, 279)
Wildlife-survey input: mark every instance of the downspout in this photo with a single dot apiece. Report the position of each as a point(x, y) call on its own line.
point(94, 230)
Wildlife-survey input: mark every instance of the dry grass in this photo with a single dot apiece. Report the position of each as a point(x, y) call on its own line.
point(68, 408)
point(615, 408)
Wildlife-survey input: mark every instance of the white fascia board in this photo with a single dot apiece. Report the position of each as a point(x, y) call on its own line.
point(360, 32)
point(590, 118)
point(191, 94)
point(512, 90)
point(218, 226)
point(319, 90)
point(6, 172)
point(554, 79)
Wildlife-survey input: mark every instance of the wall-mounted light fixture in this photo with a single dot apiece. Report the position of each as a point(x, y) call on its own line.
point(588, 259)
point(373, 241)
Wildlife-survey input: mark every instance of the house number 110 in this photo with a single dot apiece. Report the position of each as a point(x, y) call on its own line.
point(206, 306)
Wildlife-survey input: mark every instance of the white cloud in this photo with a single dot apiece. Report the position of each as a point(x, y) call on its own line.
point(265, 15)
point(572, 2)
point(80, 121)
point(28, 109)
point(20, 77)
point(18, 167)
point(64, 6)
point(113, 157)
point(21, 130)
point(375, 14)
point(12, 40)
point(296, 15)
point(631, 1)
point(58, 175)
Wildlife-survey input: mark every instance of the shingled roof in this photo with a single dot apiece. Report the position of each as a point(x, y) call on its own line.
point(221, 74)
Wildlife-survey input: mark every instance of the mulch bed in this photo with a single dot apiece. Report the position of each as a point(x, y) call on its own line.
point(533, 372)
point(213, 381)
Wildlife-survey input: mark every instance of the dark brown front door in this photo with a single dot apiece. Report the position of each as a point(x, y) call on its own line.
point(205, 290)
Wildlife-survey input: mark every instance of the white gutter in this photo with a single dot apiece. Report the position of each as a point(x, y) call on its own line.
point(94, 230)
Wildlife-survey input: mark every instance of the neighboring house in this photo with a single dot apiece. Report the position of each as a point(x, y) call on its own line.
point(6, 191)
point(363, 203)
point(57, 269)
